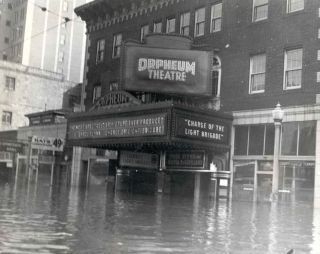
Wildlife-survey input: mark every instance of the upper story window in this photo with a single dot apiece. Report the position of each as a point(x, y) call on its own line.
point(144, 31)
point(113, 86)
point(10, 83)
point(6, 118)
point(199, 22)
point(185, 23)
point(171, 25)
point(257, 74)
point(100, 51)
point(292, 69)
point(157, 27)
point(62, 39)
point(65, 6)
point(117, 41)
point(260, 10)
point(61, 56)
point(216, 76)
point(295, 5)
point(216, 17)
point(96, 93)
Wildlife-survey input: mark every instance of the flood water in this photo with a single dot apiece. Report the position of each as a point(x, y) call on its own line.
point(43, 219)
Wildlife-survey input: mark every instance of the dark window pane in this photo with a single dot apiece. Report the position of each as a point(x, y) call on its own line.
point(269, 146)
point(256, 140)
point(307, 137)
point(241, 140)
point(289, 139)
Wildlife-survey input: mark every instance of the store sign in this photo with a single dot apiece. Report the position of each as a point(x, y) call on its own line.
point(133, 126)
point(202, 129)
point(167, 70)
point(139, 160)
point(47, 143)
point(185, 159)
point(10, 146)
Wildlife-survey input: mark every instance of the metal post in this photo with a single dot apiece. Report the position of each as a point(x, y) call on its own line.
point(275, 177)
point(52, 168)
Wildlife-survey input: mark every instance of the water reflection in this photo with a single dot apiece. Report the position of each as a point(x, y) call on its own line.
point(56, 219)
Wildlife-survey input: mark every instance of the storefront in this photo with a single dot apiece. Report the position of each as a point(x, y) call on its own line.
point(254, 155)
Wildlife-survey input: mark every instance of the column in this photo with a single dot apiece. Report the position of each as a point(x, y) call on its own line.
point(317, 169)
point(275, 177)
point(76, 165)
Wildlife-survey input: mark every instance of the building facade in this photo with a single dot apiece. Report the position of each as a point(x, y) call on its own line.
point(25, 90)
point(264, 53)
point(45, 35)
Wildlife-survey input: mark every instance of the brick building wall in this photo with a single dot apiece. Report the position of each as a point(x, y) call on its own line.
point(239, 39)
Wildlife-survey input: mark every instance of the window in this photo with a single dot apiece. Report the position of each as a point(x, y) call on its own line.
point(61, 56)
point(254, 139)
point(257, 74)
point(8, 23)
point(96, 93)
point(62, 39)
point(157, 27)
point(216, 74)
point(185, 23)
point(216, 17)
point(6, 118)
point(6, 40)
point(144, 31)
point(4, 56)
point(295, 5)
point(117, 40)
point(293, 69)
point(22, 14)
point(260, 10)
point(113, 86)
point(10, 83)
point(65, 6)
point(199, 22)
point(171, 25)
point(298, 138)
point(100, 51)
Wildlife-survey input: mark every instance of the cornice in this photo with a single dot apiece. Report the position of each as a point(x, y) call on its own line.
point(126, 14)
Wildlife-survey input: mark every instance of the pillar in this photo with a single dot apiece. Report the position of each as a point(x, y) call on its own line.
point(197, 186)
point(275, 177)
point(76, 166)
point(317, 169)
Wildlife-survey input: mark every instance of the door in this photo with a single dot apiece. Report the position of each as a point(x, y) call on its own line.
point(243, 181)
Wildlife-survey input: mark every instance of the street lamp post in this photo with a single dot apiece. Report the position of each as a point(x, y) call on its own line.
point(277, 115)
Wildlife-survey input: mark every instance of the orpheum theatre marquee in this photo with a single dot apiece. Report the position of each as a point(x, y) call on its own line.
point(119, 121)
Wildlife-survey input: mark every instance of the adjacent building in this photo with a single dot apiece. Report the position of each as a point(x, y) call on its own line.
point(44, 34)
point(25, 90)
point(263, 53)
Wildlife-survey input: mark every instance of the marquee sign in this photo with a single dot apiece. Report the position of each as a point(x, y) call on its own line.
point(139, 160)
point(48, 143)
point(185, 159)
point(117, 127)
point(174, 71)
point(201, 128)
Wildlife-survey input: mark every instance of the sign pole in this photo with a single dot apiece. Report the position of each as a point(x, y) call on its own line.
point(52, 168)
point(29, 155)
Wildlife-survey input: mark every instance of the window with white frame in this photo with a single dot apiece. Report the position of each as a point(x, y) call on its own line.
point(257, 73)
point(6, 118)
point(292, 69)
point(10, 83)
point(295, 5)
point(96, 93)
point(171, 25)
point(199, 22)
point(260, 10)
point(185, 23)
point(113, 86)
point(216, 17)
point(157, 27)
point(144, 31)
point(100, 51)
point(117, 40)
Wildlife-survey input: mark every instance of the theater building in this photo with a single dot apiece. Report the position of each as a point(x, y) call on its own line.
point(263, 53)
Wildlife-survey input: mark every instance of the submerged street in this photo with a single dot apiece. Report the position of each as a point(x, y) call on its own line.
point(59, 219)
